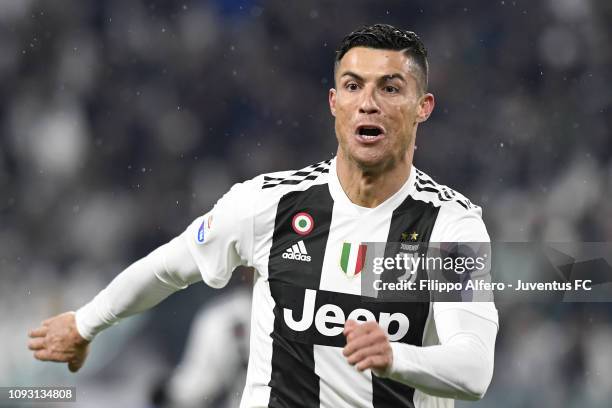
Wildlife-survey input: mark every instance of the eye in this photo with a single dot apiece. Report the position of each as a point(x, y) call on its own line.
point(390, 89)
point(352, 86)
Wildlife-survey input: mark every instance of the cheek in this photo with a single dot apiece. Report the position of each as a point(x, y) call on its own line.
point(342, 122)
point(398, 115)
point(346, 102)
point(407, 116)
point(342, 105)
point(343, 113)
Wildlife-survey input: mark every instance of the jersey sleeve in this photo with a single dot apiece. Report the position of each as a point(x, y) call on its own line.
point(456, 224)
point(222, 239)
point(461, 367)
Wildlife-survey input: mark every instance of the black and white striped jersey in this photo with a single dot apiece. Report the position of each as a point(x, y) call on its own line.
point(304, 237)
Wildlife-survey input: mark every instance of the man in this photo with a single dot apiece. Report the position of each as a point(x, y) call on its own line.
point(293, 228)
point(212, 375)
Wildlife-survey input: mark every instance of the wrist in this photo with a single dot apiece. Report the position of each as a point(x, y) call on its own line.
point(81, 327)
point(386, 372)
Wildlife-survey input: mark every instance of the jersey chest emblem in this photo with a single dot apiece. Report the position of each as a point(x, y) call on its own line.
point(302, 223)
point(352, 258)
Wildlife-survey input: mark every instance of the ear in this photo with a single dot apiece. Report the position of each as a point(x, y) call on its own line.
point(426, 106)
point(332, 101)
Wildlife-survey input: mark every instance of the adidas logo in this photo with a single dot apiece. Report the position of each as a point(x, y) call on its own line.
point(297, 252)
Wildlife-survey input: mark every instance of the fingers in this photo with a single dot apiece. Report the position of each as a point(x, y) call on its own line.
point(46, 355)
point(349, 326)
point(36, 343)
point(356, 343)
point(352, 328)
point(367, 346)
point(42, 355)
point(363, 337)
point(364, 353)
point(373, 362)
point(39, 332)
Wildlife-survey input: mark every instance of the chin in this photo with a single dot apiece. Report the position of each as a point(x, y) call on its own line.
point(372, 163)
point(368, 159)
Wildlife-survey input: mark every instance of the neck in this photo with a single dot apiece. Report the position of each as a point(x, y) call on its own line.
point(370, 188)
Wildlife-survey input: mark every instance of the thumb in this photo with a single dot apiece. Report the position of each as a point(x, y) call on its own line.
point(75, 365)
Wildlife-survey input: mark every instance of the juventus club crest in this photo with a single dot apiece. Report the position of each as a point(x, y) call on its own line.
point(352, 258)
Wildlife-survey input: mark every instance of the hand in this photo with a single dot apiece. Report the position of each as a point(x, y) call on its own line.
point(367, 346)
point(57, 339)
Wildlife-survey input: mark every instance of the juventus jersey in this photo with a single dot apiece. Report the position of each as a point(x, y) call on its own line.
point(303, 235)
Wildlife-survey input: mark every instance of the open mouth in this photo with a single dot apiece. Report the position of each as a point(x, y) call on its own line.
point(369, 132)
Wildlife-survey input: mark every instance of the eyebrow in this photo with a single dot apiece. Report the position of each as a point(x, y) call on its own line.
point(383, 78)
point(394, 76)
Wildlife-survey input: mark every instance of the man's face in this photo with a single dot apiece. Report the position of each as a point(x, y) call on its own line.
point(377, 105)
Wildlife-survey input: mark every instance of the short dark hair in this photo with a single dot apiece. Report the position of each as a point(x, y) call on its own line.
point(387, 37)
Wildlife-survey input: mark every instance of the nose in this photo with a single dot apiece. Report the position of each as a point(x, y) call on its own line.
point(368, 103)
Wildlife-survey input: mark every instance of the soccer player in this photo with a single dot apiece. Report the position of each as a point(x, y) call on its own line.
point(212, 371)
point(315, 342)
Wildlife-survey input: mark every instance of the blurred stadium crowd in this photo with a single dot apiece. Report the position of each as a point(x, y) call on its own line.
point(121, 121)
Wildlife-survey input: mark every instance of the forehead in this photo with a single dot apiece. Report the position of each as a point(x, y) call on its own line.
point(374, 62)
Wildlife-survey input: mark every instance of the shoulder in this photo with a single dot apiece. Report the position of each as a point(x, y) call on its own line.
point(270, 185)
point(458, 218)
point(264, 191)
point(440, 195)
point(297, 179)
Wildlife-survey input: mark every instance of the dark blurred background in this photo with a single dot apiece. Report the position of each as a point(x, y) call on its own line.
point(122, 121)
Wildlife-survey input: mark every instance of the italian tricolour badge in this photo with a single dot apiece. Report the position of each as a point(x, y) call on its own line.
point(352, 258)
